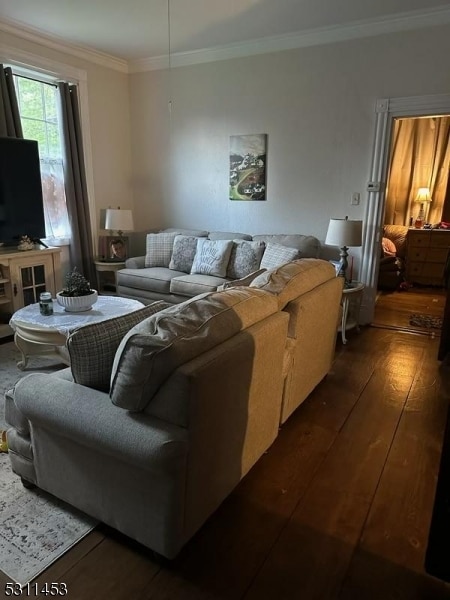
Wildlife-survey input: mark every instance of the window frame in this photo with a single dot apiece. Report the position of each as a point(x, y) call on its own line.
point(50, 71)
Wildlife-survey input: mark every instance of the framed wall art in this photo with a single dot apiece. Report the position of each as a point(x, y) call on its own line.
point(112, 248)
point(248, 155)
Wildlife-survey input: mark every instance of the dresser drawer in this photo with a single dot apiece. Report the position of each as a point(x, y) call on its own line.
point(437, 255)
point(417, 254)
point(418, 239)
point(440, 239)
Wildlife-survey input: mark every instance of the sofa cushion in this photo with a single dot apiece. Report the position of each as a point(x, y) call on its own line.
point(192, 285)
point(293, 279)
point(212, 257)
point(153, 279)
point(276, 255)
point(92, 347)
point(243, 281)
point(159, 249)
point(183, 253)
point(154, 348)
point(307, 245)
point(245, 258)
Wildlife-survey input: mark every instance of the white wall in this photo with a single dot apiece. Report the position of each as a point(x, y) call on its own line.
point(316, 105)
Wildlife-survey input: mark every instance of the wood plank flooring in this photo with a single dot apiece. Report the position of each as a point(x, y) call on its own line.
point(394, 309)
point(338, 508)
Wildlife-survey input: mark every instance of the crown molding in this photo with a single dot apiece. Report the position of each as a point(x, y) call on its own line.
point(406, 21)
point(28, 64)
point(54, 43)
point(314, 37)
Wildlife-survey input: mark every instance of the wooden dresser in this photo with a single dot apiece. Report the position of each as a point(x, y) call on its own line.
point(426, 255)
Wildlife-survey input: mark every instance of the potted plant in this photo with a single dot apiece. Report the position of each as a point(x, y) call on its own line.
point(77, 295)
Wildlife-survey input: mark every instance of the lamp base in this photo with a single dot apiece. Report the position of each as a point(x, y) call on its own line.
point(418, 223)
point(343, 263)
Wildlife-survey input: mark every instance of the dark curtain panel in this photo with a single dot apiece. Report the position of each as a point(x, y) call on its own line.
point(81, 250)
point(10, 125)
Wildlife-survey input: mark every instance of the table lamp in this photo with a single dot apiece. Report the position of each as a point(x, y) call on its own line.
point(344, 233)
point(119, 220)
point(423, 196)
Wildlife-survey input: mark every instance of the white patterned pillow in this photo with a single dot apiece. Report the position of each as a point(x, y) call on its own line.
point(92, 347)
point(245, 258)
point(212, 257)
point(184, 249)
point(159, 249)
point(276, 255)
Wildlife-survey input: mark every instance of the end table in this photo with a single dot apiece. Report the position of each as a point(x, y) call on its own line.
point(101, 265)
point(351, 303)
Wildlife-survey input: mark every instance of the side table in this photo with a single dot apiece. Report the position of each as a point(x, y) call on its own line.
point(101, 266)
point(351, 303)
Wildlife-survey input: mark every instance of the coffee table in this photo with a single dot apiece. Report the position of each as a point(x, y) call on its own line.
point(37, 334)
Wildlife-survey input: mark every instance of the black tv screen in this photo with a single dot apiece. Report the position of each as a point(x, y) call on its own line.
point(21, 203)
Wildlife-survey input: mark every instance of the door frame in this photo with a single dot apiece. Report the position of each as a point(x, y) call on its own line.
point(386, 109)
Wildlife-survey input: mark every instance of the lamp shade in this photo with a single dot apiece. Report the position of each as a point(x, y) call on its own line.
point(119, 220)
point(342, 232)
point(423, 195)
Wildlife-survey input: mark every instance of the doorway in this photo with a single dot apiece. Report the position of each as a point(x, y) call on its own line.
point(386, 111)
point(416, 195)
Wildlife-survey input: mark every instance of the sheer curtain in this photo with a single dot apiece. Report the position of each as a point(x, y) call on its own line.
point(420, 157)
point(10, 125)
point(81, 249)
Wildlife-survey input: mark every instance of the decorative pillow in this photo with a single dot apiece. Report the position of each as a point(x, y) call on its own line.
point(245, 258)
point(159, 249)
point(276, 255)
point(212, 257)
point(184, 249)
point(388, 247)
point(92, 347)
point(156, 346)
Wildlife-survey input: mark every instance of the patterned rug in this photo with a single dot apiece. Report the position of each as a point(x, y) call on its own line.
point(427, 321)
point(35, 528)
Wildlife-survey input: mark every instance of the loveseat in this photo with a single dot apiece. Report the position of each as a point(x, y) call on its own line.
point(172, 268)
point(162, 412)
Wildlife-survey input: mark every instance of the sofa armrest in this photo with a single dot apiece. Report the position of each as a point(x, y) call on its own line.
point(89, 418)
point(136, 262)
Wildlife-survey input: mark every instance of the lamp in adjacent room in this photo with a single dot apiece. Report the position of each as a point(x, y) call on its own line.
point(423, 196)
point(344, 233)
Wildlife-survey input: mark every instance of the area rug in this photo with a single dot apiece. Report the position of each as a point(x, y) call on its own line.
point(35, 528)
point(427, 321)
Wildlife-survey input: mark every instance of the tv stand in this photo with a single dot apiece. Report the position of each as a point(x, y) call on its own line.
point(24, 275)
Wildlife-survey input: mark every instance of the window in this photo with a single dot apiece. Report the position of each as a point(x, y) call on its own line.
point(38, 107)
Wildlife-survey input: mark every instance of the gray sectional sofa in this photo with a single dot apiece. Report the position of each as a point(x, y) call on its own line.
point(178, 402)
point(157, 276)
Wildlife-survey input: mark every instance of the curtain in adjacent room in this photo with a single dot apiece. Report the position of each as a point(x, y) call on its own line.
point(420, 157)
point(81, 250)
point(10, 125)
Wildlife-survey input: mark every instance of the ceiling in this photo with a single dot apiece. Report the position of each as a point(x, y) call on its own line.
point(134, 30)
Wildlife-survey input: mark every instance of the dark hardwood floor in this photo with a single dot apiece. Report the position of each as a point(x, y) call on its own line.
point(338, 508)
point(394, 309)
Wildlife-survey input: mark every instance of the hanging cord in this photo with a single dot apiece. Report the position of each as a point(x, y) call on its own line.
point(169, 104)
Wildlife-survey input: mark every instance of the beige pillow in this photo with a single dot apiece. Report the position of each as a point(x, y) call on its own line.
point(154, 348)
point(159, 248)
point(276, 255)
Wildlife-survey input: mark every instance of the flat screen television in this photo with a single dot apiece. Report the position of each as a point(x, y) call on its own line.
point(21, 202)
